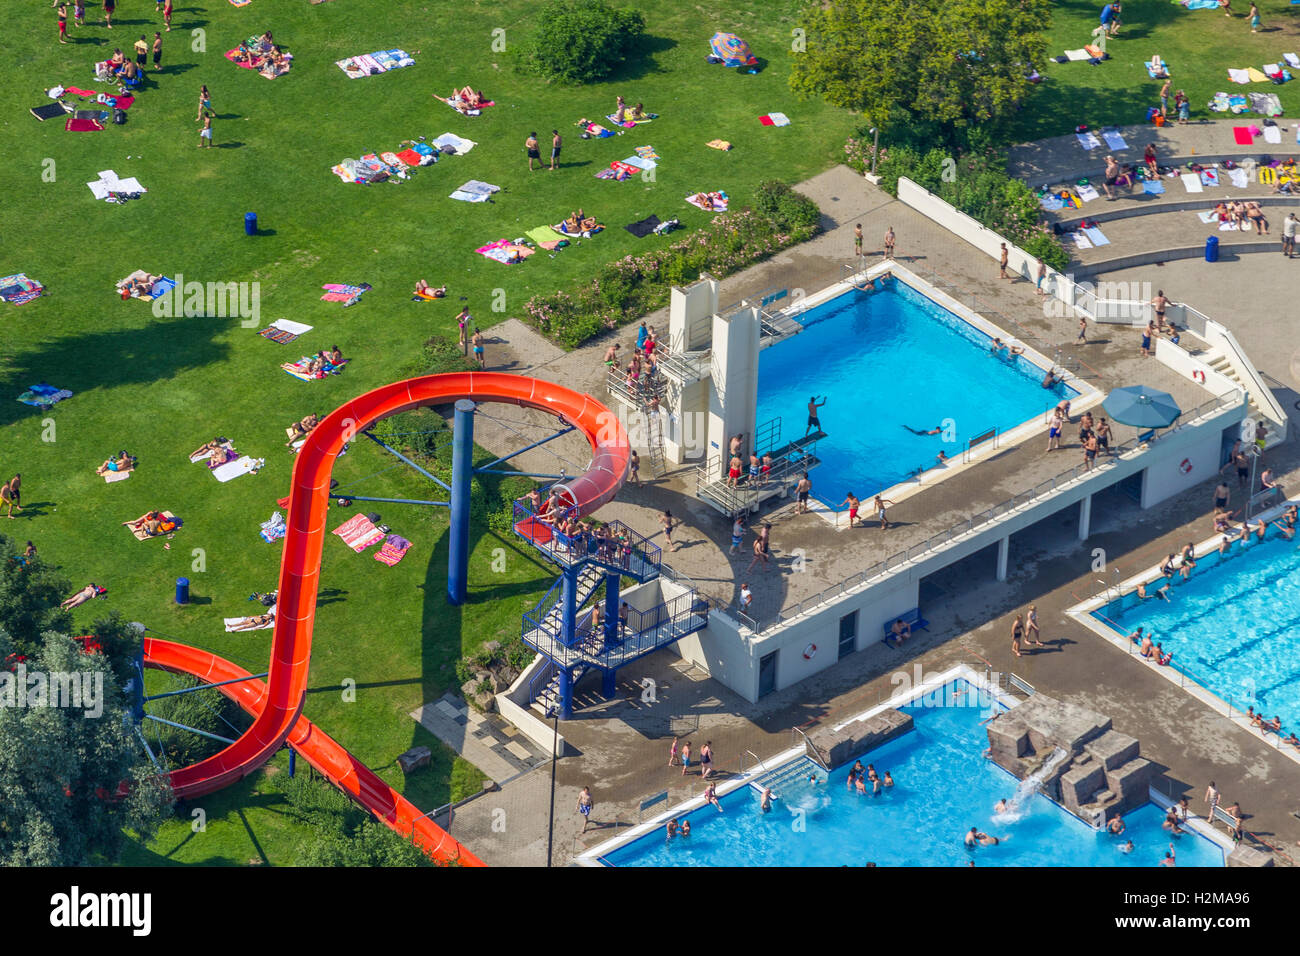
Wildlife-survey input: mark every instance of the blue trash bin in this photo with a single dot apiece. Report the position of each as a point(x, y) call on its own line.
point(182, 590)
point(1212, 249)
point(250, 223)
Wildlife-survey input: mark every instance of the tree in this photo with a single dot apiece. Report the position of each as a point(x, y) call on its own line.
point(579, 41)
point(72, 778)
point(30, 593)
point(934, 68)
point(345, 834)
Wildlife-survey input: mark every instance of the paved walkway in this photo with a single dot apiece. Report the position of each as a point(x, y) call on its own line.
point(488, 742)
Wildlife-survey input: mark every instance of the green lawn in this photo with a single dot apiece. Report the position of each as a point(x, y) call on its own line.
point(1198, 45)
point(161, 386)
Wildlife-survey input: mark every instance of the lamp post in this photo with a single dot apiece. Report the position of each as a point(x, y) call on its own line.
point(875, 148)
point(550, 829)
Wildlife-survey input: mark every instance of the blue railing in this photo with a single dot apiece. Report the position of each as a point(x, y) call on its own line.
point(626, 550)
point(644, 632)
point(539, 614)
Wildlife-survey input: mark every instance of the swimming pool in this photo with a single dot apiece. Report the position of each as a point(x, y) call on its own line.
point(1233, 626)
point(944, 786)
point(889, 359)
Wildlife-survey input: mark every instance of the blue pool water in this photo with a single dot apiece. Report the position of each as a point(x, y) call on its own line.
point(888, 359)
point(1233, 626)
point(944, 786)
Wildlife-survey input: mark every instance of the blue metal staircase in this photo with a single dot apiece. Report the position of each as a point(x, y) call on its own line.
point(560, 626)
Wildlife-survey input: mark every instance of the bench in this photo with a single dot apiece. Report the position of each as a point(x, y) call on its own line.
point(912, 618)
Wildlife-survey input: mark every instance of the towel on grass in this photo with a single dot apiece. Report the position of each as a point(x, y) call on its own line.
point(1088, 140)
point(1076, 55)
point(1113, 139)
point(1266, 103)
point(347, 294)
point(1095, 234)
point(1272, 134)
point(49, 111)
point(1292, 59)
point(505, 251)
point(1256, 76)
point(458, 144)
point(629, 123)
point(546, 237)
point(230, 622)
point(273, 528)
point(18, 289)
point(643, 227)
point(774, 119)
point(44, 396)
point(1191, 182)
point(475, 191)
point(393, 550)
point(368, 64)
point(1087, 193)
point(1153, 187)
point(284, 331)
point(75, 125)
point(112, 476)
point(638, 163)
point(139, 532)
point(109, 183)
point(233, 469)
point(1238, 76)
point(358, 533)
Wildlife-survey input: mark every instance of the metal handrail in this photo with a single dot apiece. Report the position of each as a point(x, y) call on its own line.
point(659, 626)
point(894, 561)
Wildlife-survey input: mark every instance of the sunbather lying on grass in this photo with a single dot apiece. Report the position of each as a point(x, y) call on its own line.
point(121, 462)
point(253, 623)
point(467, 98)
point(153, 523)
point(89, 592)
point(578, 221)
point(301, 429)
point(207, 448)
point(711, 200)
point(141, 286)
point(425, 291)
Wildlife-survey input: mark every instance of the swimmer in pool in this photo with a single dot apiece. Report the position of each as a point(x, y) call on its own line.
point(765, 803)
point(1001, 806)
point(1126, 847)
point(919, 431)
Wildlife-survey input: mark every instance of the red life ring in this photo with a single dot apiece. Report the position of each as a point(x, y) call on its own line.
point(809, 651)
point(1185, 466)
point(1198, 376)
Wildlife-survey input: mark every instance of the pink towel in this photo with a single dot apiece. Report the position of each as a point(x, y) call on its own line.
point(390, 555)
point(1242, 135)
point(358, 533)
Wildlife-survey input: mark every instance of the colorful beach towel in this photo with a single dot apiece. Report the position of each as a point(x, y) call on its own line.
point(394, 549)
point(284, 331)
point(358, 533)
point(505, 251)
point(74, 125)
point(370, 64)
point(301, 369)
point(1209, 177)
point(774, 119)
point(44, 396)
point(18, 289)
point(347, 294)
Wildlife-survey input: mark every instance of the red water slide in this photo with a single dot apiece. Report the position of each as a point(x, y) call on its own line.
point(276, 705)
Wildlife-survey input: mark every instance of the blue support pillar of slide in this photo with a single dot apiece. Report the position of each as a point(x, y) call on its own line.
point(608, 684)
point(569, 607)
point(462, 469)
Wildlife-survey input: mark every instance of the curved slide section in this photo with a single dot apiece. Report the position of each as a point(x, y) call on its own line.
point(276, 705)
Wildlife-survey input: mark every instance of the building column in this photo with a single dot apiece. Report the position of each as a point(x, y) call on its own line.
point(1085, 517)
point(1004, 548)
point(612, 581)
point(608, 684)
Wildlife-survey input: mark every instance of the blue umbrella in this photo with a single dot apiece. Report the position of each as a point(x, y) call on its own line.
point(1142, 407)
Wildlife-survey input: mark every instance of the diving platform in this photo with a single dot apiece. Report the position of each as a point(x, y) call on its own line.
point(789, 462)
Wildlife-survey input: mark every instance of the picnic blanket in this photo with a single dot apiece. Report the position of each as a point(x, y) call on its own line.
point(719, 205)
point(347, 294)
point(774, 119)
point(718, 144)
point(139, 532)
point(18, 289)
point(369, 64)
point(1113, 139)
point(44, 396)
point(643, 227)
point(230, 622)
point(1088, 140)
point(240, 466)
point(475, 191)
point(503, 250)
point(459, 146)
point(393, 550)
point(358, 533)
point(1191, 182)
point(299, 369)
point(284, 331)
point(263, 66)
point(547, 238)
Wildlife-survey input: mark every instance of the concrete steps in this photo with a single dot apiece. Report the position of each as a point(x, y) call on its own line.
point(1221, 364)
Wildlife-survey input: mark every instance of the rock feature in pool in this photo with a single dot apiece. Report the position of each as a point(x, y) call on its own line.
point(1102, 774)
point(831, 748)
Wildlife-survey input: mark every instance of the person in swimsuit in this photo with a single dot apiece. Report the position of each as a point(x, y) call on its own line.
point(63, 23)
point(706, 759)
point(81, 597)
point(120, 463)
point(477, 342)
point(766, 470)
point(1002, 262)
point(737, 533)
point(733, 472)
point(686, 757)
point(1147, 333)
point(760, 554)
point(1103, 436)
point(1188, 561)
point(157, 51)
point(1160, 303)
point(253, 623)
point(1242, 464)
point(755, 470)
point(853, 504)
point(11, 492)
point(555, 148)
point(1017, 635)
point(711, 796)
point(889, 243)
point(585, 803)
point(1089, 451)
point(879, 505)
point(899, 631)
point(813, 420)
point(804, 489)
point(1031, 627)
point(667, 521)
point(634, 468)
point(857, 239)
point(1111, 175)
point(672, 828)
point(1054, 431)
point(109, 7)
point(530, 145)
point(924, 431)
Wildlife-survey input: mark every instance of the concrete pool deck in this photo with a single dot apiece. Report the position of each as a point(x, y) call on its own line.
point(622, 744)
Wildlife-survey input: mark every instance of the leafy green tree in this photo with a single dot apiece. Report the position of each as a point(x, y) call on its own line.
point(71, 781)
point(30, 593)
point(928, 68)
point(580, 41)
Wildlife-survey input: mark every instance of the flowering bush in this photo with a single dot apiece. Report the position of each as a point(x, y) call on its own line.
point(628, 288)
